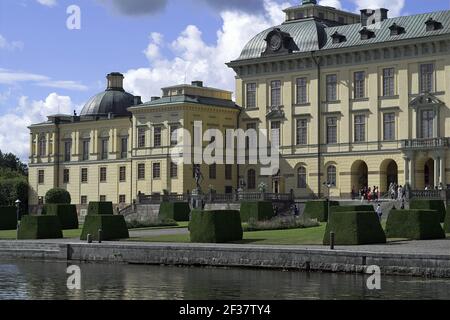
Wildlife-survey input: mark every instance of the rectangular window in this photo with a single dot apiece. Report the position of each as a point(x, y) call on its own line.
point(388, 82)
point(67, 150)
point(251, 95)
point(102, 198)
point(302, 92)
point(86, 150)
point(84, 175)
point(66, 176)
point(389, 126)
point(302, 131)
point(104, 148)
point(141, 171)
point(84, 200)
point(156, 171)
point(173, 136)
point(41, 176)
point(124, 148)
point(157, 136)
point(426, 78)
point(275, 128)
point(331, 89)
point(275, 93)
point(360, 128)
point(173, 170)
point(141, 137)
point(213, 171)
point(103, 174)
point(122, 174)
point(122, 199)
point(427, 124)
point(42, 146)
point(360, 85)
point(228, 172)
point(332, 130)
point(250, 126)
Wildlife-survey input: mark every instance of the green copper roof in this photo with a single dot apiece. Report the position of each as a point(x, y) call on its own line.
point(313, 34)
point(190, 99)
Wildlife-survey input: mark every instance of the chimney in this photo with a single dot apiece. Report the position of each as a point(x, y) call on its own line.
point(115, 81)
point(370, 16)
point(197, 84)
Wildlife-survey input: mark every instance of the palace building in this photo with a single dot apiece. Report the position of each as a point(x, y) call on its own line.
point(353, 100)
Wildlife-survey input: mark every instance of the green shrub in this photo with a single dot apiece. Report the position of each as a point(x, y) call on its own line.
point(97, 208)
point(256, 210)
point(318, 209)
point(281, 223)
point(135, 224)
point(8, 218)
point(354, 228)
point(112, 226)
point(353, 208)
point(447, 221)
point(57, 196)
point(414, 224)
point(178, 211)
point(436, 205)
point(217, 226)
point(40, 227)
point(12, 189)
point(67, 214)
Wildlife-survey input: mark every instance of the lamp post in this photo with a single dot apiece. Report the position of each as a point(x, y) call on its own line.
point(328, 185)
point(18, 202)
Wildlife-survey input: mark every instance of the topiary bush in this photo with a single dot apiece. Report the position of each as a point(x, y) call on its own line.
point(436, 205)
point(178, 211)
point(8, 218)
point(318, 209)
point(67, 214)
point(447, 221)
point(354, 228)
point(57, 196)
point(39, 227)
point(353, 208)
point(414, 224)
point(97, 208)
point(113, 227)
point(256, 210)
point(217, 226)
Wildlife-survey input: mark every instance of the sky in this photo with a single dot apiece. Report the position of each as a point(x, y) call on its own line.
point(50, 63)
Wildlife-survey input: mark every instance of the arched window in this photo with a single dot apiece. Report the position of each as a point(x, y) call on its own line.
point(331, 175)
point(301, 178)
point(251, 179)
point(42, 146)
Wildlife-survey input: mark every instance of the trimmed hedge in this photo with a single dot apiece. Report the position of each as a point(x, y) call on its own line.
point(8, 218)
point(447, 221)
point(58, 196)
point(318, 209)
point(97, 208)
point(67, 214)
point(353, 208)
point(218, 226)
point(354, 228)
point(40, 227)
point(113, 227)
point(178, 211)
point(256, 210)
point(414, 224)
point(436, 205)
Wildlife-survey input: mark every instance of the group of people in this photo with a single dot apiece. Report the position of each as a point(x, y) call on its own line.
point(367, 193)
point(397, 192)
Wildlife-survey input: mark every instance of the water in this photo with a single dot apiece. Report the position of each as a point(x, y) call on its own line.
point(47, 280)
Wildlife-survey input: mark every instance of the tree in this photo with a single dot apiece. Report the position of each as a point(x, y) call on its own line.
point(58, 196)
point(12, 162)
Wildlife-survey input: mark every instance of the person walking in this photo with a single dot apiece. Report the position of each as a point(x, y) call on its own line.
point(379, 211)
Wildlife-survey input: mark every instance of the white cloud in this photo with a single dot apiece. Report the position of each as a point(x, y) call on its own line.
point(13, 77)
point(11, 46)
point(395, 7)
point(196, 60)
point(331, 3)
point(47, 3)
point(14, 134)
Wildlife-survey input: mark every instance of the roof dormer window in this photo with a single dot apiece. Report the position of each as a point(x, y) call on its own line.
point(338, 38)
point(433, 25)
point(396, 30)
point(366, 34)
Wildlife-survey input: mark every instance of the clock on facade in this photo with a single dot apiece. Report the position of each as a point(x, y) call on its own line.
point(275, 42)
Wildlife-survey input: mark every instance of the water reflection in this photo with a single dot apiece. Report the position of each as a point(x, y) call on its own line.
point(47, 280)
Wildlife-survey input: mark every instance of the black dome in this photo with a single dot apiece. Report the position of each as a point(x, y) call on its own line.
point(111, 101)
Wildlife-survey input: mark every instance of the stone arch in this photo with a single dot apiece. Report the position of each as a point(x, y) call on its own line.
point(359, 175)
point(388, 174)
